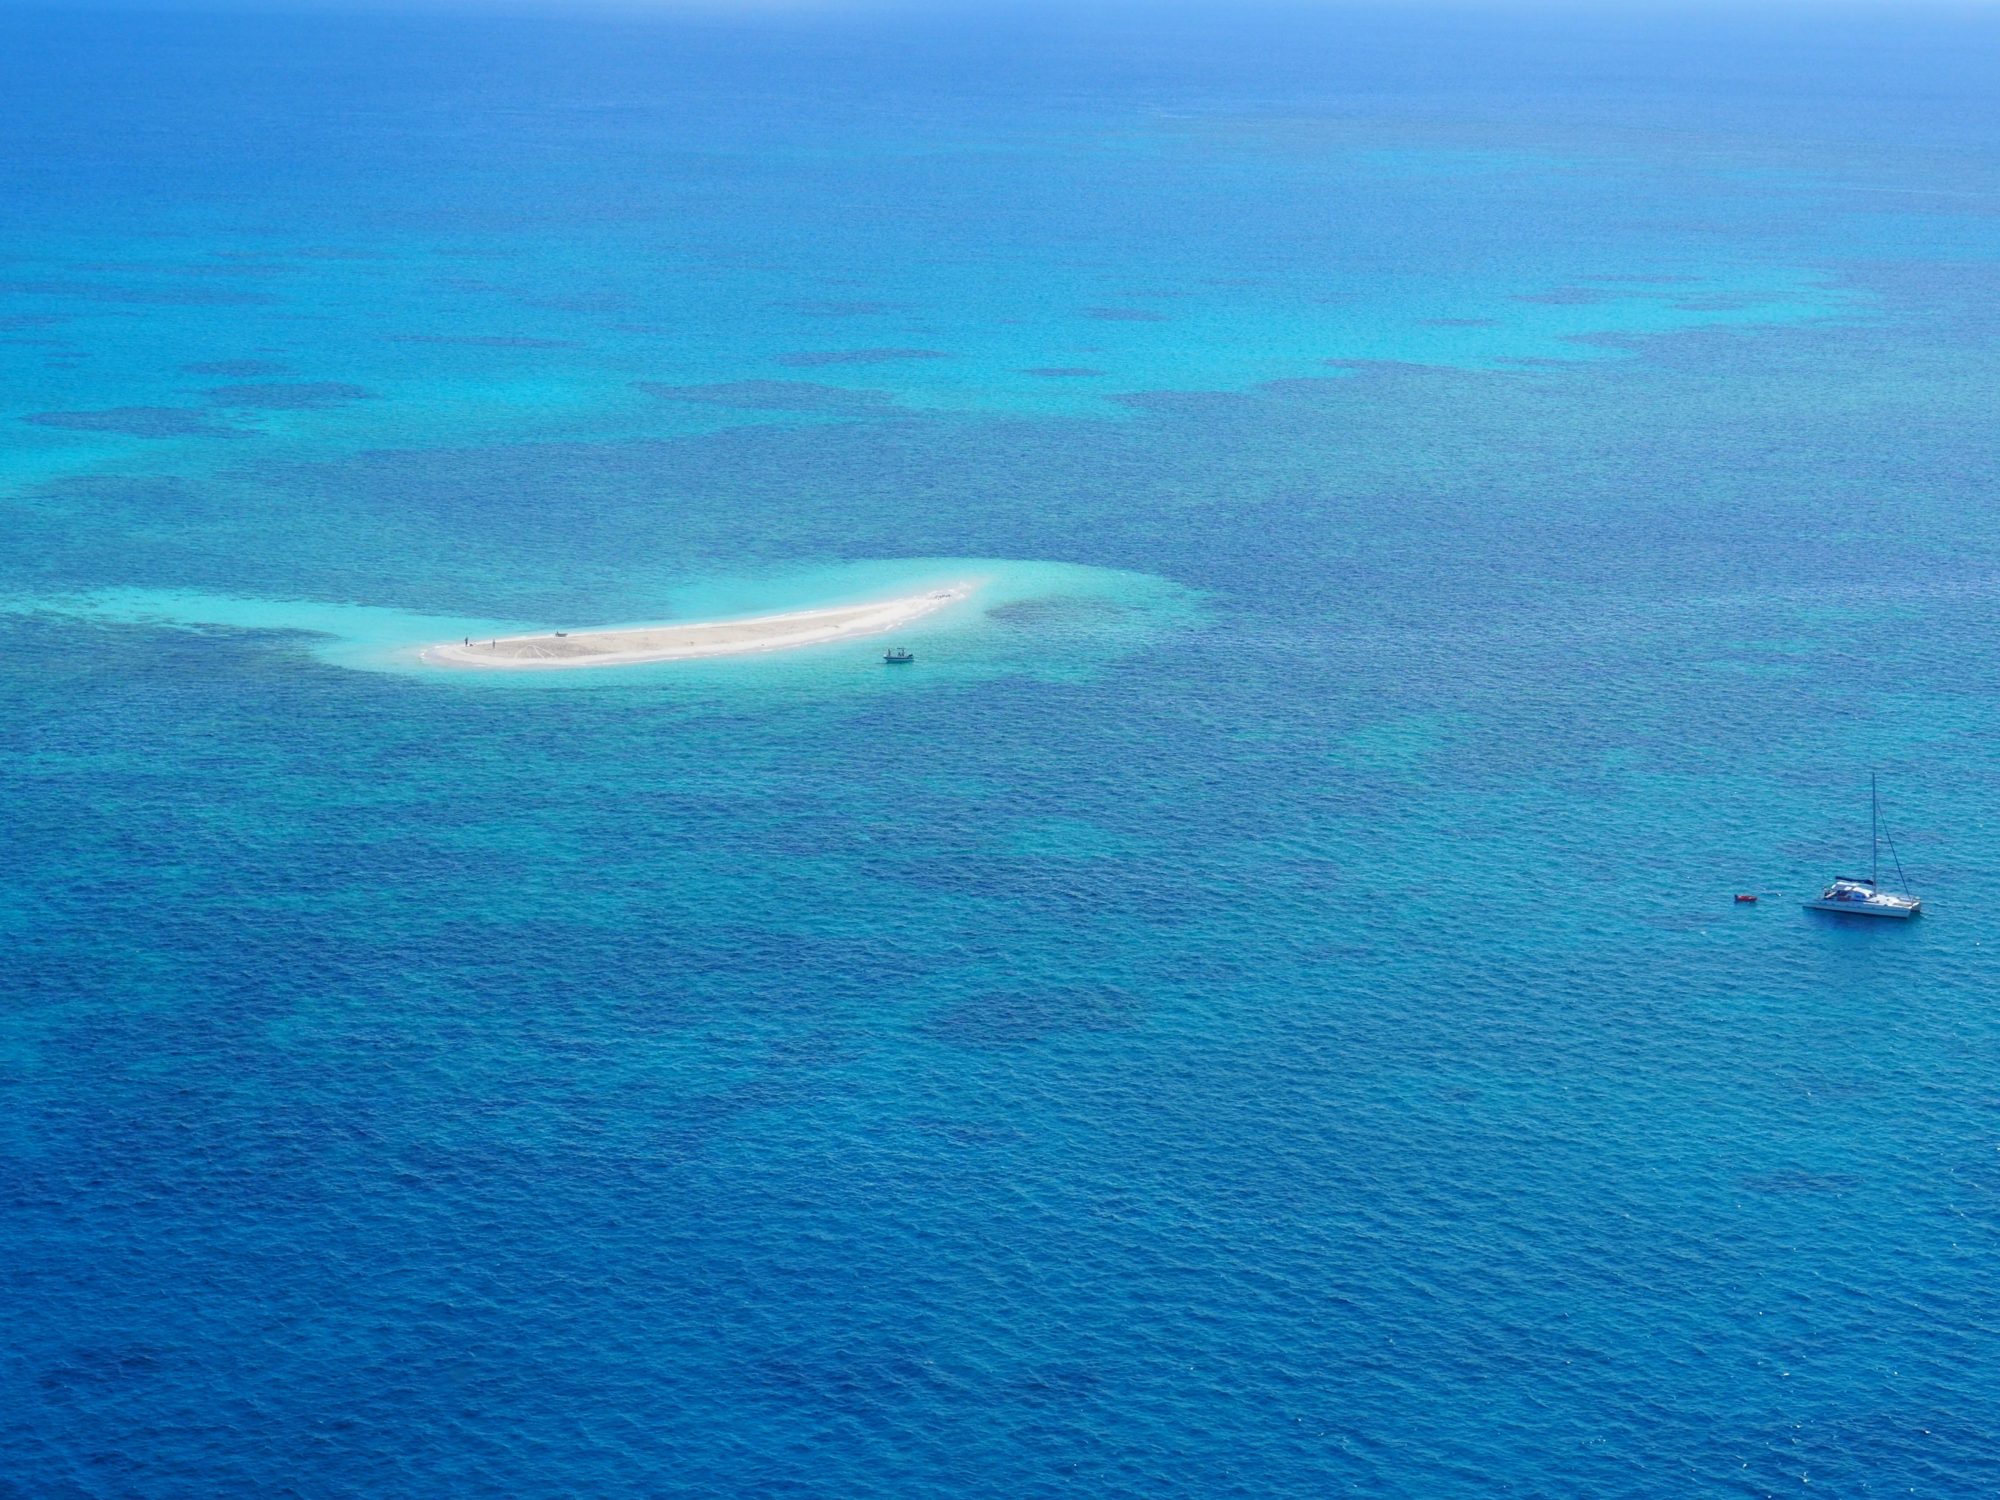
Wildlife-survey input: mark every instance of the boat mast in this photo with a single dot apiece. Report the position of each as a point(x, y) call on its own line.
point(1874, 833)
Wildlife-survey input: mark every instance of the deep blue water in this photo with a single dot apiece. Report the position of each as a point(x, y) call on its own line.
point(1257, 1010)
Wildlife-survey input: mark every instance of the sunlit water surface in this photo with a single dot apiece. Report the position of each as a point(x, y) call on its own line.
point(1256, 1009)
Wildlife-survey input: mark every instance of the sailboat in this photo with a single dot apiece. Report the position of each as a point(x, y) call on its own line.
point(1866, 898)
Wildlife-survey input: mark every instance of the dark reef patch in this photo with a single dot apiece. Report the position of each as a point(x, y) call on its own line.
point(1173, 403)
point(237, 369)
point(302, 396)
point(813, 359)
point(1603, 340)
point(772, 395)
point(1057, 610)
point(1064, 372)
point(138, 421)
point(1123, 315)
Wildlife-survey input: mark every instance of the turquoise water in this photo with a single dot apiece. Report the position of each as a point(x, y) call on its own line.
point(1256, 1009)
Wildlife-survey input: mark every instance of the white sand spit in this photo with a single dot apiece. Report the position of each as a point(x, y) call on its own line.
point(641, 643)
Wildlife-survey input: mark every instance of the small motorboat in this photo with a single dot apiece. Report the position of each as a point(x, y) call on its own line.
point(1746, 900)
point(896, 656)
point(1856, 897)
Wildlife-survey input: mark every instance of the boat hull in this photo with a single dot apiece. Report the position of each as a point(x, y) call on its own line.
point(1898, 909)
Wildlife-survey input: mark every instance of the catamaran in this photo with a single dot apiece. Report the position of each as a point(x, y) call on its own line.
point(1866, 898)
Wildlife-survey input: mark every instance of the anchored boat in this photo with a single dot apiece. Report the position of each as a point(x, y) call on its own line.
point(896, 656)
point(1866, 898)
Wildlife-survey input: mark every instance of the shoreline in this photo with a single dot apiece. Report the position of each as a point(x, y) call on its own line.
point(631, 645)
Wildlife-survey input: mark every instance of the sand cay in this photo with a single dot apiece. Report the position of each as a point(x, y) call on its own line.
point(685, 642)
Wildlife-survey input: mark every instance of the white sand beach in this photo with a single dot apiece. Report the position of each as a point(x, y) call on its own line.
point(685, 642)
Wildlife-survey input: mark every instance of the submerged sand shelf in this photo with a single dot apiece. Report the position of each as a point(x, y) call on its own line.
point(1001, 617)
point(685, 642)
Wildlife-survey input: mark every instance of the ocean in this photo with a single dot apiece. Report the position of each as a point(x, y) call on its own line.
point(1258, 1008)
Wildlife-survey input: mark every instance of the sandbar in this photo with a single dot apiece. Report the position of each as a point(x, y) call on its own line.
point(688, 641)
